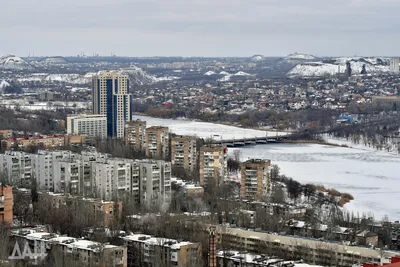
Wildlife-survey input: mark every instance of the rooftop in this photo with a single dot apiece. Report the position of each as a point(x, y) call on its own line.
point(160, 241)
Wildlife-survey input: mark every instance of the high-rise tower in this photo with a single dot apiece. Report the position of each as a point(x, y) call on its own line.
point(111, 98)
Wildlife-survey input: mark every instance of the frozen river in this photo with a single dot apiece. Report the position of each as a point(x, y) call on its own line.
point(372, 177)
point(205, 129)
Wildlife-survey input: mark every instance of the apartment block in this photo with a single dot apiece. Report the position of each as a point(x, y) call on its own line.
point(146, 250)
point(157, 142)
point(43, 167)
point(311, 251)
point(67, 177)
point(183, 152)
point(394, 65)
point(112, 179)
point(155, 183)
point(70, 251)
point(91, 174)
point(213, 164)
point(256, 182)
point(106, 211)
point(6, 204)
point(87, 124)
point(135, 135)
point(18, 167)
point(47, 141)
point(6, 134)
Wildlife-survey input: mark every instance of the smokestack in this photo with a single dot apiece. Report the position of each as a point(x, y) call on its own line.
point(212, 251)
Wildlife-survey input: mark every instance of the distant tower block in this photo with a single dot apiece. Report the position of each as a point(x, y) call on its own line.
point(348, 69)
point(212, 252)
point(394, 65)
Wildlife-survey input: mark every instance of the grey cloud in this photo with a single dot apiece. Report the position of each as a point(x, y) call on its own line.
point(182, 27)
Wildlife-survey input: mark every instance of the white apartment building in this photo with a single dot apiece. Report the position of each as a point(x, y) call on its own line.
point(135, 182)
point(87, 124)
point(17, 166)
point(155, 183)
point(112, 179)
point(67, 177)
point(43, 167)
point(92, 174)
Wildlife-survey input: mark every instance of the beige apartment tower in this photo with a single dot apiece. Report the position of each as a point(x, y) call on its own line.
point(213, 164)
point(157, 142)
point(183, 152)
point(135, 135)
point(256, 180)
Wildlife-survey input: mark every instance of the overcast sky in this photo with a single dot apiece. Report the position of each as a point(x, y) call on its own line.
point(200, 27)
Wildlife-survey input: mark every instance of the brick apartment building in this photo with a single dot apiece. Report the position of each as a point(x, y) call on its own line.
point(135, 135)
point(256, 180)
point(6, 204)
point(213, 164)
point(183, 152)
point(157, 142)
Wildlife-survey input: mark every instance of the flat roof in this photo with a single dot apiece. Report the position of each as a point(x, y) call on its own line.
point(313, 244)
point(161, 241)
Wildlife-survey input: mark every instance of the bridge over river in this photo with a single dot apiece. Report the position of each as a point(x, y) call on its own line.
point(235, 142)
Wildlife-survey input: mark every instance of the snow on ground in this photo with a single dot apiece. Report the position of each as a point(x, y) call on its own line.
point(204, 129)
point(23, 104)
point(209, 73)
point(370, 176)
point(372, 65)
point(315, 69)
point(300, 56)
point(228, 76)
point(167, 78)
point(4, 84)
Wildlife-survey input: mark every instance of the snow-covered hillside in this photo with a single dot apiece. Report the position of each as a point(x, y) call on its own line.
point(257, 58)
point(209, 73)
point(338, 65)
point(297, 56)
point(14, 63)
point(136, 76)
point(227, 75)
point(140, 77)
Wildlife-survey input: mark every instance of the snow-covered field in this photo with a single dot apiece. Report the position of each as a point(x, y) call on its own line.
point(205, 129)
point(372, 177)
